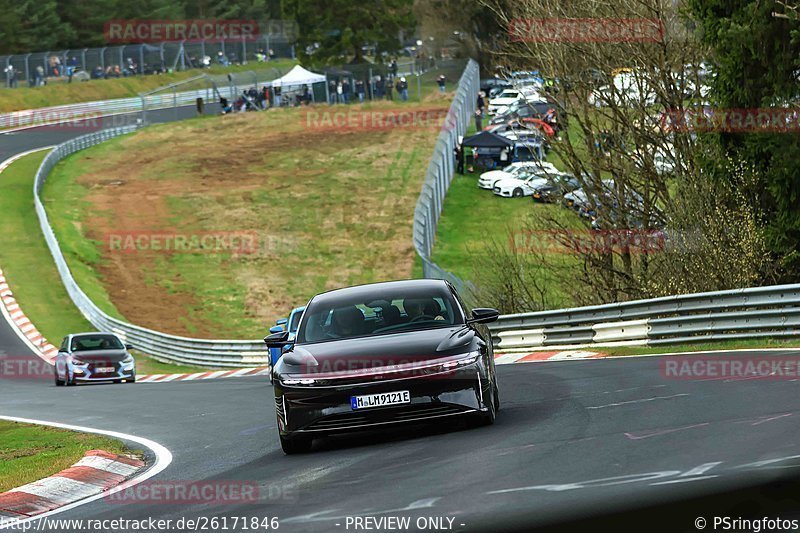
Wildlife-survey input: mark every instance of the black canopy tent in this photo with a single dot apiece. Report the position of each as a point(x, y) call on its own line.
point(487, 139)
point(487, 147)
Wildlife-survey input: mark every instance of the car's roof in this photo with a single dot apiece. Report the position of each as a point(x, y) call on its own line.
point(369, 290)
point(85, 333)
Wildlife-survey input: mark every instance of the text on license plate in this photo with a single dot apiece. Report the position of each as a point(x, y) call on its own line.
point(379, 400)
point(104, 369)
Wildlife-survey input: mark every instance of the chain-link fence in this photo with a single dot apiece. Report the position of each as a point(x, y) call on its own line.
point(38, 68)
point(440, 173)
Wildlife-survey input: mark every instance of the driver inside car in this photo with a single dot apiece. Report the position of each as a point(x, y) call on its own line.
point(418, 309)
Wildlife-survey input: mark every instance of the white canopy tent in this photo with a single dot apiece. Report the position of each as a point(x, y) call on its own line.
point(299, 76)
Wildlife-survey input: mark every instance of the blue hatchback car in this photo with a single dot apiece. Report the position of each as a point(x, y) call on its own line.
point(285, 324)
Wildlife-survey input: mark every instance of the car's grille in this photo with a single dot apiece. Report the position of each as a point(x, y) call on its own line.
point(387, 415)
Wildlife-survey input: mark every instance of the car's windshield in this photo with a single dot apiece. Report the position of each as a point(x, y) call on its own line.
point(95, 342)
point(379, 314)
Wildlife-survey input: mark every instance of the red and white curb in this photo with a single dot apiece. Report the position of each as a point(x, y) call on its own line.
point(96, 473)
point(540, 357)
point(164, 378)
point(25, 328)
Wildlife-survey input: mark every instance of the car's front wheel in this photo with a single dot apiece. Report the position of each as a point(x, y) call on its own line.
point(58, 382)
point(295, 445)
point(518, 193)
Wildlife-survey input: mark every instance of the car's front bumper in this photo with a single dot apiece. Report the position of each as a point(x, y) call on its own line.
point(89, 373)
point(323, 410)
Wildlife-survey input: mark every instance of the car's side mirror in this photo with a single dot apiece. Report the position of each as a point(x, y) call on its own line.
point(277, 340)
point(483, 315)
point(129, 346)
point(275, 329)
point(282, 321)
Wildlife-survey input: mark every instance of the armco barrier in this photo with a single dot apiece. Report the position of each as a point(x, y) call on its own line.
point(171, 348)
point(734, 314)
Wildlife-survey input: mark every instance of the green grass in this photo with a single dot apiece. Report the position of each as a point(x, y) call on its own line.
point(26, 260)
point(336, 206)
point(60, 93)
point(29, 453)
point(31, 272)
point(474, 220)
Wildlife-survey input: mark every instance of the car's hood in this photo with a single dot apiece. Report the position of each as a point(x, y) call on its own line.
point(94, 356)
point(496, 175)
point(379, 352)
point(502, 101)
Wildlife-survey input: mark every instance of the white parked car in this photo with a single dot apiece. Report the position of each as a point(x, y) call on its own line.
point(517, 188)
point(520, 170)
point(627, 91)
point(505, 99)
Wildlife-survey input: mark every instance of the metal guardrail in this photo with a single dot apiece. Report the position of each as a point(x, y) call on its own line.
point(171, 348)
point(751, 313)
point(441, 170)
point(87, 110)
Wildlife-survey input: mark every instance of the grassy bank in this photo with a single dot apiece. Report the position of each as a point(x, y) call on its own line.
point(327, 207)
point(29, 453)
point(32, 275)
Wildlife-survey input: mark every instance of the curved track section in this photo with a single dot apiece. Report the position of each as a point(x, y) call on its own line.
point(573, 440)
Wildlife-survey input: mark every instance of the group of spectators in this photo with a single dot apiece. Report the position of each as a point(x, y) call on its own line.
point(344, 91)
point(255, 99)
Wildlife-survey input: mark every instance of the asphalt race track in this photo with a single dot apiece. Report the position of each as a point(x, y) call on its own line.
point(575, 440)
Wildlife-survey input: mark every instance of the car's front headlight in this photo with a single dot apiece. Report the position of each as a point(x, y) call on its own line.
point(128, 360)
point(464, 360)
point(78, 362)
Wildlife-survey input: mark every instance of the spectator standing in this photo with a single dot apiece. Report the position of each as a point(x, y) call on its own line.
point(389, 87)
point(360, 91)
point(479, 119)
point(332, 92)
point(39, 76)
point(277, 93)
point(402, 88)
point(393, 69)
point(442, 82)
point(459, 158)
point(481, 103)
point(346, 91)
point(339, 92)
point(11, 76)
point(380, 88)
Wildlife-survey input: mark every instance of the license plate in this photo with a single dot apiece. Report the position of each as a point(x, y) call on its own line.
point(104, 369)
point(380, 400)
